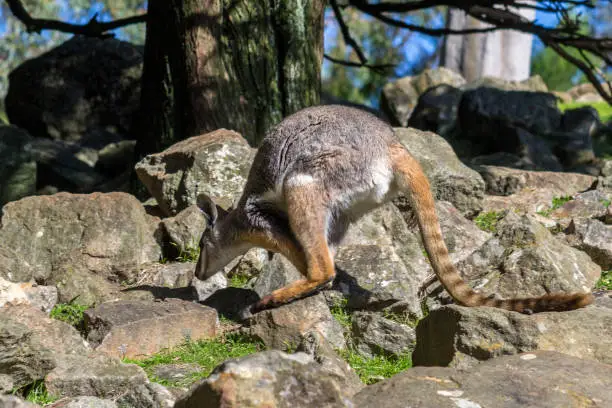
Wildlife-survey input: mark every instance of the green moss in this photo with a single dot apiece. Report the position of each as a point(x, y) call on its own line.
point(603, 108)
point(238, 280)
point(372, 370)
point(557, 202)
point(71, 313)
point(488, 221)
point(206, 353)
point(605, 282)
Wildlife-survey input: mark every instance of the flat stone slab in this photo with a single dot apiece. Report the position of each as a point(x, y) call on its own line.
point(464, 336)
point(137, 329)
point(542, 379)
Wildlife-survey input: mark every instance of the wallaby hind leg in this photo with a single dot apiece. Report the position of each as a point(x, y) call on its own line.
point(307, 214)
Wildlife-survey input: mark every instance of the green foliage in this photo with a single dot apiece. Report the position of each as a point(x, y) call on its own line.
point(35, 393)
point(372, 370)
point(206, 353)
point(603, 108)
point(382, 44)
point(71, 313)
point(605, 282)
point(487, 221)
point(191, 253)
point(606, 203)
point(341, 313)
point(238, 280)
point(556, 72)
point(557, 202)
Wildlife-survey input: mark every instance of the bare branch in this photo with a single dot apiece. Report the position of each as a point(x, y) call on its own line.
point(93, 28)
point(348, 39)
point(379, 68)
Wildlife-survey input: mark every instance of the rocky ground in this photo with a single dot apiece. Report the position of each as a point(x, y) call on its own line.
point(99, 306)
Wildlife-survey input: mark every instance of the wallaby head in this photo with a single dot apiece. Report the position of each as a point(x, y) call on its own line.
point(219, 243)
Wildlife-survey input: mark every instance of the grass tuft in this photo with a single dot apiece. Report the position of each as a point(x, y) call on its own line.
point(557, 202)
point(341, 313)
point(206, 353)
point(35, 393)
point(71, 313)
point(487, 221)
point(372, 370)
point(605, 282)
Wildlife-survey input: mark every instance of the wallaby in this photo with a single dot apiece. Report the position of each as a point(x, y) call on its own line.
point(316, 172)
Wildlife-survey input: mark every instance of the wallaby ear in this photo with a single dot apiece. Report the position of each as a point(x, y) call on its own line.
point(208, 207)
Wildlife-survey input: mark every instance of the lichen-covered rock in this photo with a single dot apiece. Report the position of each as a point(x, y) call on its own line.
point(96, 80)
point(284, 327)
point(85, 402)
point(137, 329)
point(590, 204)
point(594, 238)
point(83, 244)
point(185, 229)
point(450, 179)
point(373, 334)
point(461, 337)
point(12, 401)
point(271, 379)
point(400, 97)
point(95, 375)
point(540, 379)
point(206, 288)
point(31, 344)
point(215, 163)
point(534, 83)
point(505, 181)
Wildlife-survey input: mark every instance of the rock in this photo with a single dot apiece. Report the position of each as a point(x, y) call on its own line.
point(147, 395)
point(12, 401)
point(66, 166)
point(270, 378)
point(251, 264)
point(116, 157)
point(137, 329)
point(167, 275)
point(17, 166)
point(594, 238)
point(590, 204)
point(275, 274)
point(95, 375)
point(373, 334)
point(185, 229)
point(541, 379)
point(451, 180)
point(83, 244)
point(205, 288)
point(504, 181)
point(534, 83)
point(563, 97)
point(436, 111)
point(462, 236)
point(97, 81)
point(215, 163)
point(573, 142)
point(461, 337)
point(181, 372)
point(400, 97)
point(374, 277)
point(31, 344)
point(85, 402)
point(6, 384)
point(487, 117)
point(284, 327)
point(331, 363)
point(537, 262)
point(29, 293)
point(583, 89)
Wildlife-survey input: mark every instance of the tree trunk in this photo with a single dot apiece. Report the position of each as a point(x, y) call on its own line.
point(503, 54)
point(240, 64)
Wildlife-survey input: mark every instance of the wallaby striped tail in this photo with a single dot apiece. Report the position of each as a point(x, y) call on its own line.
point(411, 180)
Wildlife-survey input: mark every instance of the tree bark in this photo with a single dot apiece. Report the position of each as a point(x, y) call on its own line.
point(503, 54)
point(239, 64)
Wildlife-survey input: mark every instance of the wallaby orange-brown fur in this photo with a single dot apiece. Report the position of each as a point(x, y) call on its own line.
point(299, 202)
